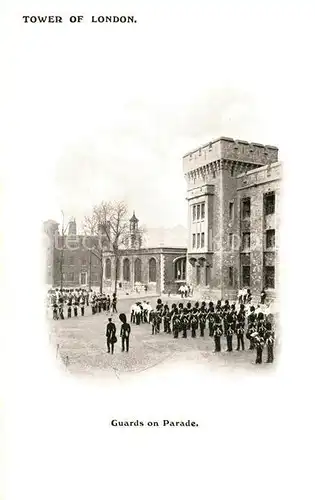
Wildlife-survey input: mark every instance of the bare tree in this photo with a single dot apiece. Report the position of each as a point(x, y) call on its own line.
point(110, 222)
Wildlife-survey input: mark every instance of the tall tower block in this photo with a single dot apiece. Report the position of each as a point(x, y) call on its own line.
point(213, 210)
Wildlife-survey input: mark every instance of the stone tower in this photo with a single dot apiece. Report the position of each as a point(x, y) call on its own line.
point(211, 175)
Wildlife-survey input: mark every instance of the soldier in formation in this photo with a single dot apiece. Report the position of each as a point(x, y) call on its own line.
point(222, 321)
point(76, 300)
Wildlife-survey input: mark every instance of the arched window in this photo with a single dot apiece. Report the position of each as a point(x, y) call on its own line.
point(108, 269)
point(152, 270)
point(126, 270)
point(180, 269)
point(137, 270)
point(118, 269)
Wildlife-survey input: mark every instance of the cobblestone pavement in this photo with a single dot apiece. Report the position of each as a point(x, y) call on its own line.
point(82, 347)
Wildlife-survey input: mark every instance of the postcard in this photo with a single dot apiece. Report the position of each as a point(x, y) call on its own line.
point(147, 291)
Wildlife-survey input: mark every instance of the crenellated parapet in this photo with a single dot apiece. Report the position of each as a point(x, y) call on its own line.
point(203, 164)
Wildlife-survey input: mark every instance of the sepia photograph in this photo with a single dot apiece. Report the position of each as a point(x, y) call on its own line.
point(122, 297)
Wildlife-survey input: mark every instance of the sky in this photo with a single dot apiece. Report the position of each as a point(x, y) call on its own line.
point(107, 112)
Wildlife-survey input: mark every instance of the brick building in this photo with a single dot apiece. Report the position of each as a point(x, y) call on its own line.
point(233, 192)
point(70, 261)
point(70, 256)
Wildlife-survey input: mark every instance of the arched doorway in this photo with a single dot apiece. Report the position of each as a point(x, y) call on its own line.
point(180, 269)
point(152, 270)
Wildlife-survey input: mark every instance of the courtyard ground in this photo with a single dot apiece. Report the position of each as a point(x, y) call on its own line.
point(81, 344)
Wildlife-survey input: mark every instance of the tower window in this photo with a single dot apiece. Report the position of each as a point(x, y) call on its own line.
point(246, 241)
point(269, 203)
point(198, 212)
point(246, 208)
point(246, 276)
point(198, 240)
point(202, 240)
point(231, 210)
point(270, 238)
point(194, 240)
point(194, 212)
point(269, 275)
point(202, 210)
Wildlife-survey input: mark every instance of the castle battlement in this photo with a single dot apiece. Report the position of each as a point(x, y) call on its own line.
point(235, 150)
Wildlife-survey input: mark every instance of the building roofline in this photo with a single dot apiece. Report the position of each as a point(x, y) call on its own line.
point(230, 139)
point(260, 169)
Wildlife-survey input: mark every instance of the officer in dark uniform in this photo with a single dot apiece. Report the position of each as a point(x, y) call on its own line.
point(176, 325)
point(111, 335)
point(75, 305)
point(61, 315)
point(202, 322)
point(251, 327)
point(240, 328)
point(217, 332)
point(55, 310)
point(194, 322)
point(259, 337)
point(159, 304)
point(82, 304)
point(125, 331)
point(184, 323)
point(69, 304)
point(269, 338)
point(229, 330)
point(262, 296)
point(210, 316)
point(166, 318)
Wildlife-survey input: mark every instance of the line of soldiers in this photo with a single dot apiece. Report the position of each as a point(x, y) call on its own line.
point(76, 300)
point(226, 320)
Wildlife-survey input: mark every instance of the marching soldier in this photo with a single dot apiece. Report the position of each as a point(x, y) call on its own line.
point(210, 317)
point(259, 338)
point(270, 339)
point(69, 304)
point(251, 326)
point(166, 318)
point(229, 330)
point(124, 333)
point(176, 325)
point(184, 323)
point(61, 315)
point(55, 310)
point(114, 303)
point(240, 328)
point(92, 303)
point(108, 303)
point(75, 306)
point(202, 322)
point(111, 335)
point(189, 315)
point(194, 322)
point(262, 296)
point(217, 333)
point(82, 304)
